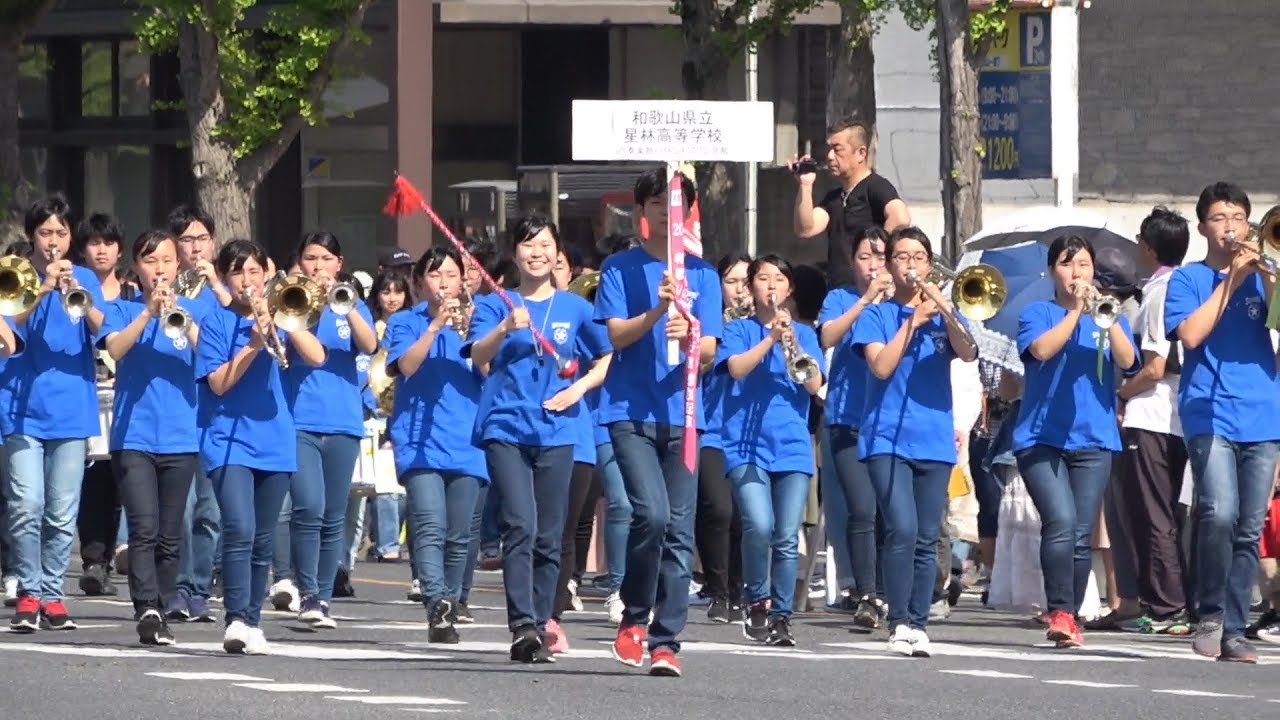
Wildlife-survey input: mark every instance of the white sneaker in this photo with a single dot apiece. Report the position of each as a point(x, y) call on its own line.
point(284, 596)
point(920, 646)
point(616, 607)
point(236, 639)
point(10, 591)
point(257, 644)
point(575, 602)
point(900, 641)
point(1270, 635)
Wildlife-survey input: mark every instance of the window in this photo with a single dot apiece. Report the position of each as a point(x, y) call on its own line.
point(117, 180)
point(115, 79)
point(33, 82)
point(95, 79)
point(133, 80)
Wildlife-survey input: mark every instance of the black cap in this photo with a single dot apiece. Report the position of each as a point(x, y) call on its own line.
point(393, 257)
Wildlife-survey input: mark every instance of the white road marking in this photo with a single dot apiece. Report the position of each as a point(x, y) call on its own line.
point(229, 677)
point(83, 626)
point(394, 700)
point(430, 710)
point(319, 652)
point(299, 687)
point(420, 626)
point(1200, 693)
point(87, 650)
point(1088, 684)
point(988, 674)
point(969, 651)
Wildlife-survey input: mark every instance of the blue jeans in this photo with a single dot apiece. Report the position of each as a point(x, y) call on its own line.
point(772, 507)
point(533, 483)
point(353, 531)
point(388, 511)
point(1233, 491)
point(319, 491)
point(202, 530)
point(43, 498)
point(250, 502)
point(617, 514)
point(473, 545)
point(912, 495)
point(664, 496)
point(441, 509)
point(864, 535)
point(282, 545)
point(835, 514)
point(1066, 487)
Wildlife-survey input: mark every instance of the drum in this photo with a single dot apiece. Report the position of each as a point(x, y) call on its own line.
point(98, 447)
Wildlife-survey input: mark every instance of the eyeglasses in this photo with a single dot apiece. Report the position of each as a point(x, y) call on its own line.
point(193, 239)
point(904, 257)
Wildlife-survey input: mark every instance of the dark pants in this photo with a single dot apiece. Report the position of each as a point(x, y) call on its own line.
point(583, 494)
point(912, 496)
point(99, 520)
point(1066, 487)
point(718, 529)
point(154, 490)
point(663, 494)
point(864, 530)
point(533, 483)
point(1154, 466)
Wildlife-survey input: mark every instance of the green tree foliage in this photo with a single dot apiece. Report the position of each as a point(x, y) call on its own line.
point(17, 19)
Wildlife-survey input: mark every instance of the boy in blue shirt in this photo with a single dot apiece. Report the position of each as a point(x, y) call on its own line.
point(642, 404)
point(1228, 404)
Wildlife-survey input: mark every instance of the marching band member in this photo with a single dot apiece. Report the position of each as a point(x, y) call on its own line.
point(855, 501)
point(526, 424)
point(1066, 429)
point(48, 408)
point(436, 396)
point(718, 522)
point(1228, 405)
point(153, 438)
point(906, 436)
point(643, 404)
point(197, 245)
point(329, 417)
point(775, 367)
point(248, 443)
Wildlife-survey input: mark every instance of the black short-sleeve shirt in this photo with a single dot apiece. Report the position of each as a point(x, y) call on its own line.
point(862, 206)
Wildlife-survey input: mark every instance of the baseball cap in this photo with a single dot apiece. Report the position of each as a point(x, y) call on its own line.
point(393, 256)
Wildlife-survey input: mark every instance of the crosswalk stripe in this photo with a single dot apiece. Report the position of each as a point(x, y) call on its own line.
point(967, 651)
point(200, 676)
point(299, 687)
point(394, 700)
point(1201, 693)
point(1088, 684)
point(988, 674)
point(86, 650)
point(321, 652)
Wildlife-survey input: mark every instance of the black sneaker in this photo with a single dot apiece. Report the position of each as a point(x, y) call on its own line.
point(342, 587)
point(149, 627)
point(1268, 618)
point(462, 613)
point(718, 611)
point(867, 614)
point(737, 611)
point(756, 626)
point(441, 620)
point(780, 632)
point(1237, 649)
point(96, 582)
point(179, 607)
point(525, 644)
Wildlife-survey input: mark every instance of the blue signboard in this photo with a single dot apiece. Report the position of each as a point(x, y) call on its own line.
point(1015, 113)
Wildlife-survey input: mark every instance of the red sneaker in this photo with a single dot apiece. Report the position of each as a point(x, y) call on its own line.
point(1063, 629)
point(54, 616)
point(663, 663)
point(27, 617)
point(628, 648)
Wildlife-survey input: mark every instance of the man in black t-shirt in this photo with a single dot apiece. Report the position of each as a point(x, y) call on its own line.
point(863, 198)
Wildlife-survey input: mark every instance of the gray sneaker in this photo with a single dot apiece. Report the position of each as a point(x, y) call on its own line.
point(1207, 640)
point(1237, 649)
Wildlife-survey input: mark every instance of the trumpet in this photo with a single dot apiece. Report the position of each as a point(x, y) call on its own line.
point(1104, 309)
point(1263, 239)
point(341, 298)
point(76, 301)
point(801, 367)
point(189, 283)
point(459, 316)
point(19, 285)
point(271, 336)
point(175, 321)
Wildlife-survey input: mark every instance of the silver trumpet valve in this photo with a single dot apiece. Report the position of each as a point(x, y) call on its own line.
point(174, 319)
point(76, 301)
point(801, 367)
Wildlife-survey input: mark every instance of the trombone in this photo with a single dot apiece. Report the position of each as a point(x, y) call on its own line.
point(19, 285)
point(801, 367)
point(294, 301)
point(1263, 239)
point(977, 293)
point(175, 320)
point(76, 301)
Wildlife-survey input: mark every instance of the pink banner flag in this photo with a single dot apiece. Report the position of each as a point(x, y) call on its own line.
point(677, 246)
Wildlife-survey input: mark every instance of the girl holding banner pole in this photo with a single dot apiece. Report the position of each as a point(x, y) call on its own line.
point(643, 404)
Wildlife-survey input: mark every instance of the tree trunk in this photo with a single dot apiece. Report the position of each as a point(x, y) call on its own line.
point(852, 93)
point(705, 76)
point(961, 143)
point(16, 20)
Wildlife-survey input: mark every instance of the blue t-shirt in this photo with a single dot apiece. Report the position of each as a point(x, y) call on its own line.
point(715, 386)
point(766, 415)
point(1063, 404)
point(584, 439)
point(599, 432)
point(249, 425)
point(49, 390)
point(641, 385)
point(326, 399)
point(1228, 384)
point(910, 413)
point(155, 388)
point(435, 408)
point(847, 383)
point(522, 376)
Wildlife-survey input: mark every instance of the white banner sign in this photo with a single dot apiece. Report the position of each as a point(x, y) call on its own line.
point(690, 130)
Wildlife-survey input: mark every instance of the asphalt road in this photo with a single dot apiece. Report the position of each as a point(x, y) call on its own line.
point(987, 666)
